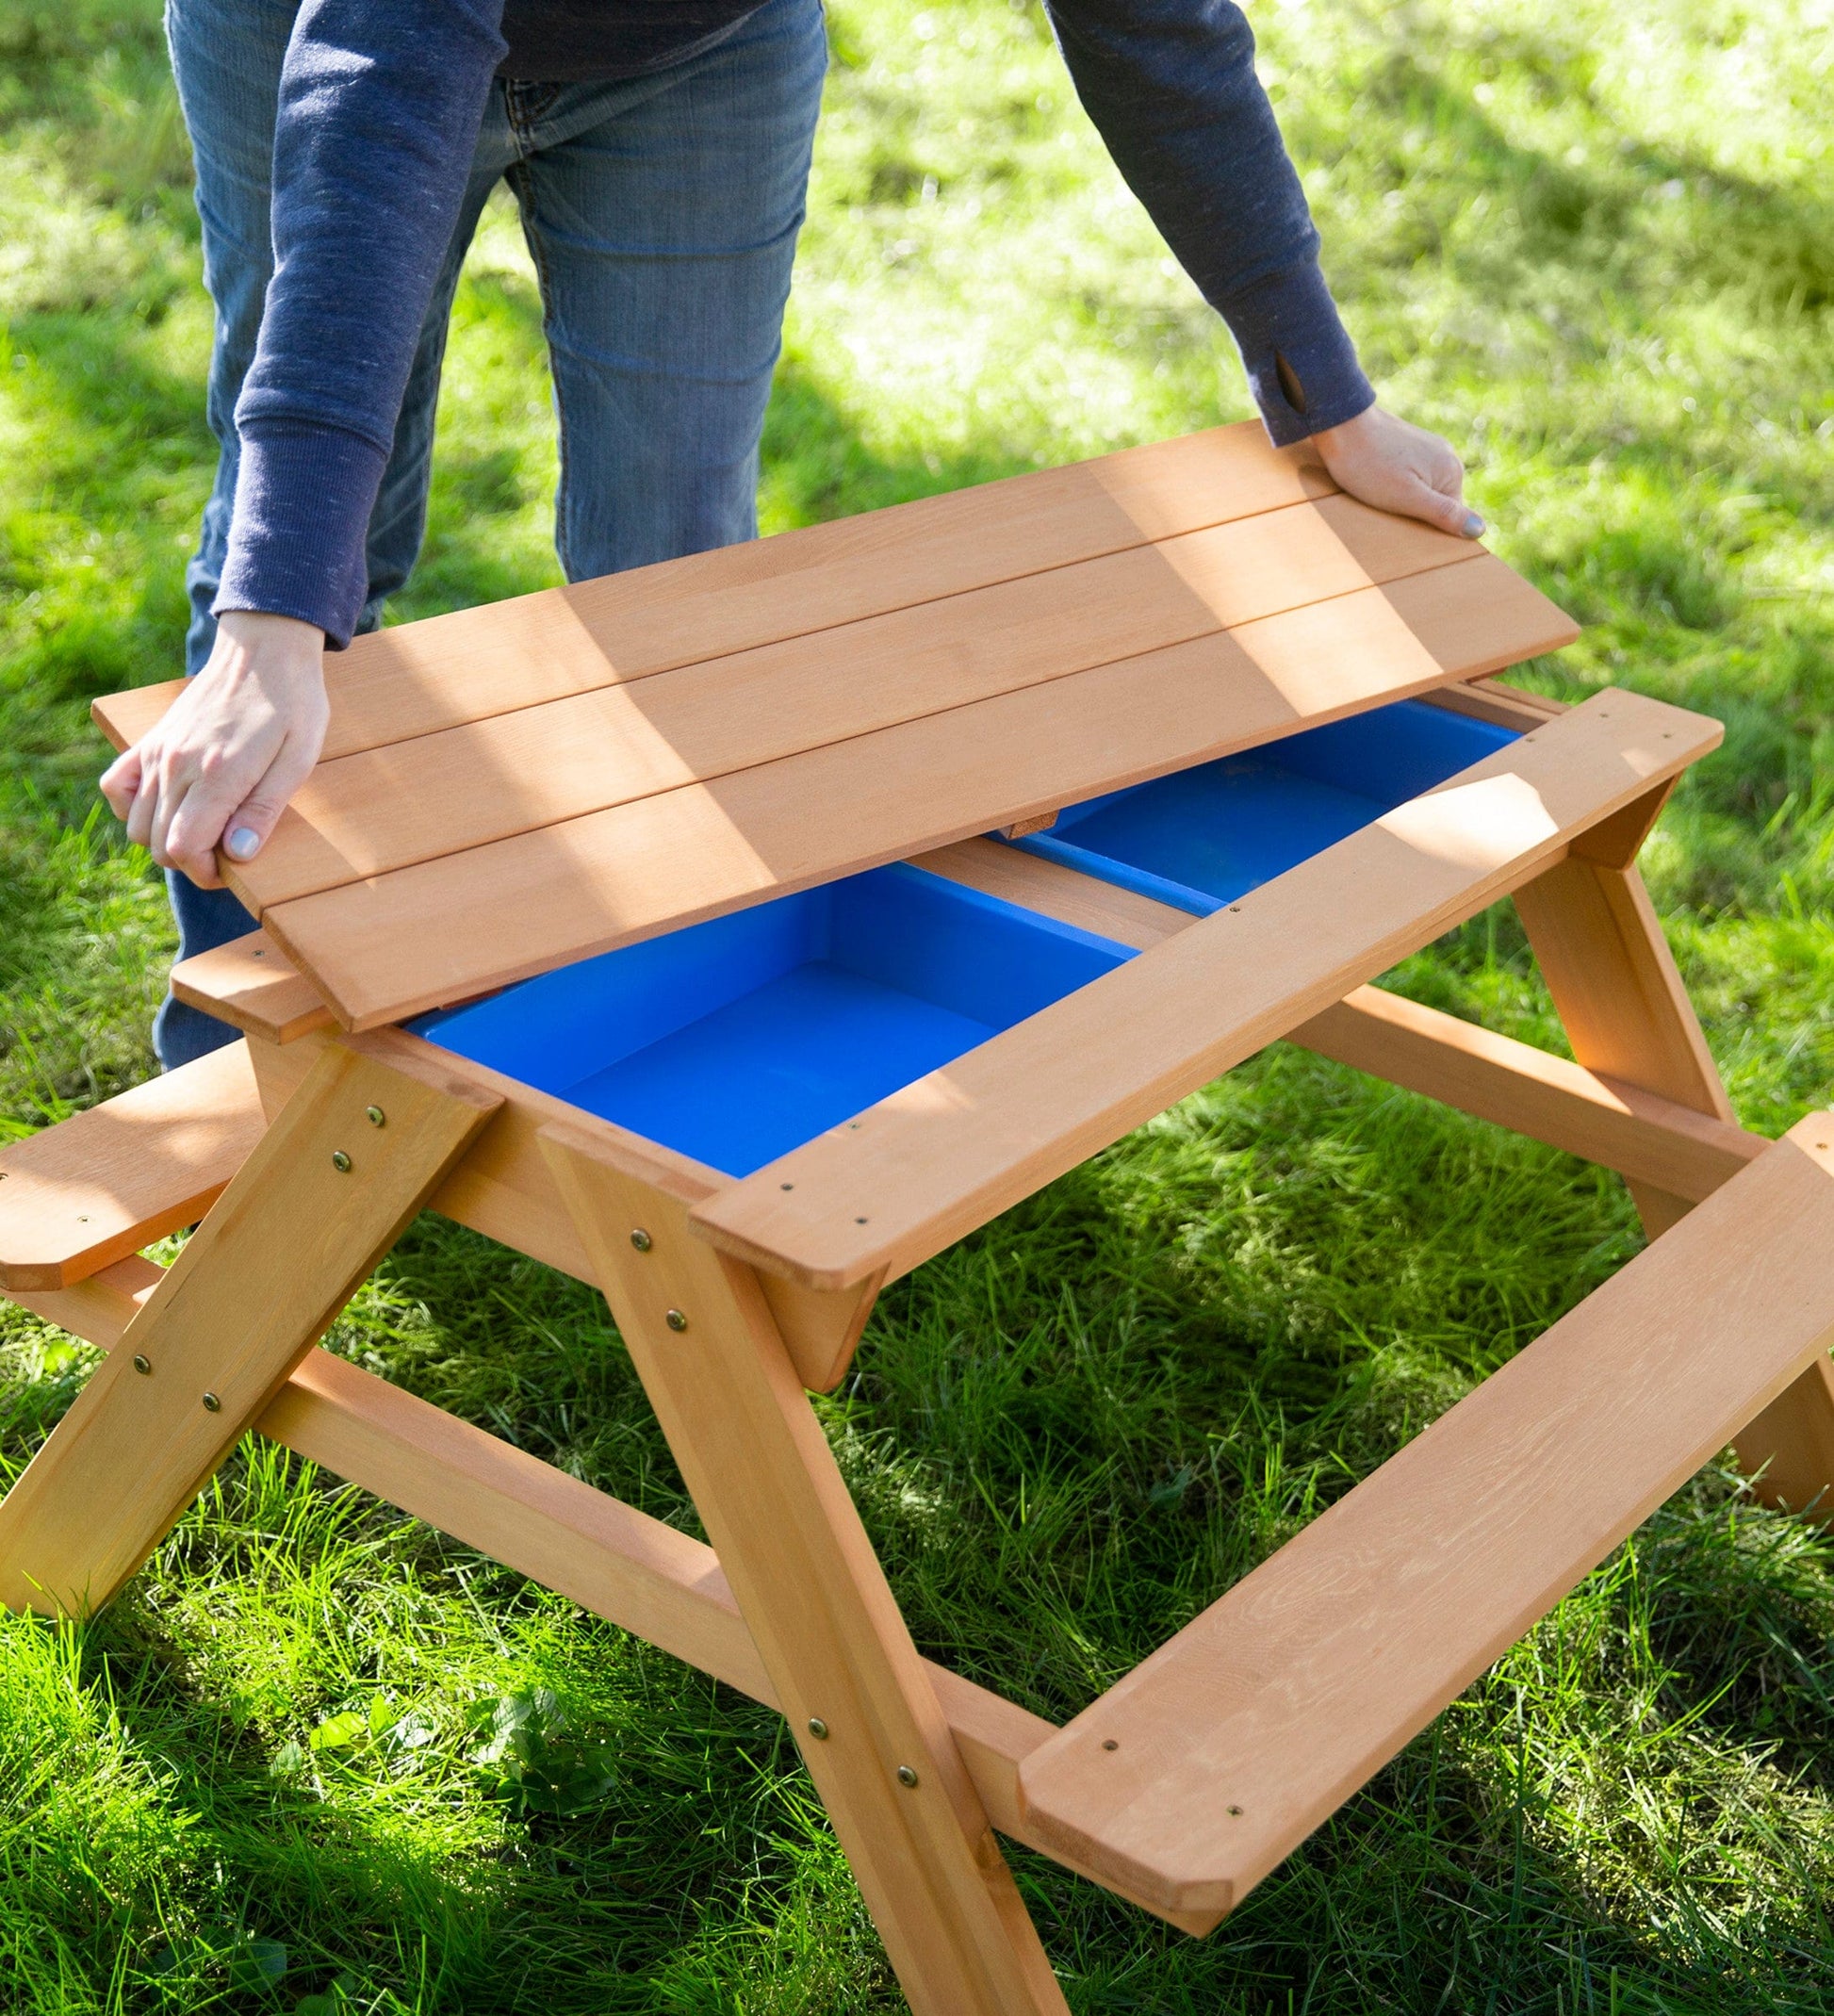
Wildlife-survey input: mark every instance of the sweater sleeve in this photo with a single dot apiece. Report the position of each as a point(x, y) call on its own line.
point(380, 101)
point(1170, 85)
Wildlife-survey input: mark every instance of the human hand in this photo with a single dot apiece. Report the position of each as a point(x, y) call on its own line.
point(1386, 462)
point(234, 745)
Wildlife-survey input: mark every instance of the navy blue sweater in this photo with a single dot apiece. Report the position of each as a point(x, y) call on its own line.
point(380, 101)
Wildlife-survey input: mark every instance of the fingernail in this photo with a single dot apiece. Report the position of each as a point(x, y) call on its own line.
point(241, 843)
point(1474, 526)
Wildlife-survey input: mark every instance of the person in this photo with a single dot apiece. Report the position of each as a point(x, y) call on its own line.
point(659, 151)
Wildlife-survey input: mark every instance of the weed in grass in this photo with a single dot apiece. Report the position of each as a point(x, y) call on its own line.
point(320, 1759)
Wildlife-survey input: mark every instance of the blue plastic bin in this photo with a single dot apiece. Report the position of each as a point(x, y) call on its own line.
point(738, 1040)
point(1202, 837)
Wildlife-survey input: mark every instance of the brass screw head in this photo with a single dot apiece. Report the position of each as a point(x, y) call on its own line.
point(212, 1404)
point(818, 1728)
point(142, 1364)
point(340, 1161)
point(1109, 1744)
point(676, 1320)
point(906, 1777)
point(375, 1116)
point(641, 1240)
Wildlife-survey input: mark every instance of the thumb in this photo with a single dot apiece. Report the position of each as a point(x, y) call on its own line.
point(247, 830)
point(1450, 514)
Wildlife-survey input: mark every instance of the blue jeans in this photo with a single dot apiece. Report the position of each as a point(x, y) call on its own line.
point(661, 214)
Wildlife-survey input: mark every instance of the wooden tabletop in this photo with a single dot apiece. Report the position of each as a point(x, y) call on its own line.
point(510, 788)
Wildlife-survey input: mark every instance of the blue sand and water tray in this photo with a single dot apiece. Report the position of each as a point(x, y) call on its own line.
point(1204, 837)
point(737, 1040)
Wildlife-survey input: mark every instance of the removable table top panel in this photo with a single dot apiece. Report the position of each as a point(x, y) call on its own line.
point(509, 788)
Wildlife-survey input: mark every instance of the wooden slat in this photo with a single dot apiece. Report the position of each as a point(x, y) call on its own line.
point(1492, 700)
point(256, 1286)
point(1213, 1760)
point(419, 677)
point(945, 1154)
point(385, 948)
point(617, 1562)
point(1055, 891)
point(1549, 1099)
point(251, 984)
point(100, 1306)
point(413, 801)
point(107, 1181)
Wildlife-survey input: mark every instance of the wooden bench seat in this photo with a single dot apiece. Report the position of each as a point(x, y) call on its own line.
point(109, 1181)
point(1193, 1776)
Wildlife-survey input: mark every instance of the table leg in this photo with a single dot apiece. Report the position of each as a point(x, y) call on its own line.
point(324, 1195)
point(810, 1587)
point(1614, 980)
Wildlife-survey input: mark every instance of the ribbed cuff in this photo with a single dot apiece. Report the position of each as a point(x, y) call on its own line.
point(298, 533)
point(1301, 364)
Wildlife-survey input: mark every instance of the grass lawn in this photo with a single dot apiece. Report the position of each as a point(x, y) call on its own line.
point(300, 1763)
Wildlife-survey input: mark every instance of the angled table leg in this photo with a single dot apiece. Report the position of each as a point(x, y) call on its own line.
point(1612, 978)
point(324, 1195)
point(825, 1623)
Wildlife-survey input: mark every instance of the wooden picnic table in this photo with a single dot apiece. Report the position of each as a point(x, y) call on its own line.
point(737, 933)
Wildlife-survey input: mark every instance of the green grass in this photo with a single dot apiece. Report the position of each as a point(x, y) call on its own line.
point(1593, 243)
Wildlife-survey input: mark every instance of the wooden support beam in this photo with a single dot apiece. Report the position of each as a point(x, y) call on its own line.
point(1547, 1098)
point(322, 1197)
point(858, 1698)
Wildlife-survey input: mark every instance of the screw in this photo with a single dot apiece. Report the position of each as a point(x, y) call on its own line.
point(1109, 1744)
point(860, 1220)
point(212, 1404)
point(818, 1728)
point(786, 1186)
point(340, 1161)
point(1235, 1810)
point(906, 1777)
point(377, 1118)
point(676, 1321)
point(641, 1240)
point(82, 1218)
point(141, 1362)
